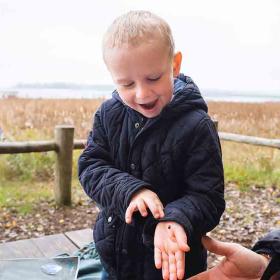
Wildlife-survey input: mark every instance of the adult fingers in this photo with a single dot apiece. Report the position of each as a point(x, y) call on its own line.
point(180, 264)
point(141, 206)
point(218, 247)
point(157, 257)
point(165, 266)
point(132, 207)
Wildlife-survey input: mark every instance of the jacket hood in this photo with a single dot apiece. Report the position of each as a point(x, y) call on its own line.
point(186, 96)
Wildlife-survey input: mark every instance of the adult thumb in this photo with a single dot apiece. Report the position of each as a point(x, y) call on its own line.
point(218, 247)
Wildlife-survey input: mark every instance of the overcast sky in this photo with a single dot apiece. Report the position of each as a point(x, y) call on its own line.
point(226, 44)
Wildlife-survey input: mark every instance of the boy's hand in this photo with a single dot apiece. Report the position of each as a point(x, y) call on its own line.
point(170, 246)
point(142, 200)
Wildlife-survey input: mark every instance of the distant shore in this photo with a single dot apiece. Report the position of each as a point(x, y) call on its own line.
point(106, 92)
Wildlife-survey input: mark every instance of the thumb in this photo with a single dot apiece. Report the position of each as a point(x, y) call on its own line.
point(182, 240)
point(218, 247)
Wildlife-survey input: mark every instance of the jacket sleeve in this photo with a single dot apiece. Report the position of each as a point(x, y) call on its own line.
point(200, 208)
point(108, 186)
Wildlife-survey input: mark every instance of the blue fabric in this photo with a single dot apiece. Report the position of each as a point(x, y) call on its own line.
point(90, 267)
point(104, 275)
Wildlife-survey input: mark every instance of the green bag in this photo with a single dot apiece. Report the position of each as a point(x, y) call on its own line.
point(90, 267)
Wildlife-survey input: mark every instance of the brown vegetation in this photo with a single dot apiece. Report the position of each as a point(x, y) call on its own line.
point(258, 119)
point(41, 115)
point(255, 119)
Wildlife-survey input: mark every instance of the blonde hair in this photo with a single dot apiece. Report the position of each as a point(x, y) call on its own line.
point(136, 27)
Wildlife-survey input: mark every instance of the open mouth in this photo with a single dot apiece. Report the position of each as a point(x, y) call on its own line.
point(149, 106)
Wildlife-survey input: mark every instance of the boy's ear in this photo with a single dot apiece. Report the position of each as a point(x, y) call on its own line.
point(177, 60)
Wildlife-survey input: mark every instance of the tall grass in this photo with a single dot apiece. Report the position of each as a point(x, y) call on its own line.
point(247, 164)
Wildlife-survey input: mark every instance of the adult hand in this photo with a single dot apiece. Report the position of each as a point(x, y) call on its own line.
point(142, 200)
point(170, 245)
point(238, 263)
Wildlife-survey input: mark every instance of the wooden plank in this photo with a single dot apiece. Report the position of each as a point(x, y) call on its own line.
point(272, 143)
point(79, 144)
point(27, 147)
point(20, 249)
point(80, 237)
point(53, 245)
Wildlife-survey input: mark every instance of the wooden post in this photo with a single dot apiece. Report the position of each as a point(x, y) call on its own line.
point(216, 123)
point(64, 138)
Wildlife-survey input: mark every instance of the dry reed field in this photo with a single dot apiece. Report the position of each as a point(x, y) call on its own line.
point(19, 115)
point(255, 119)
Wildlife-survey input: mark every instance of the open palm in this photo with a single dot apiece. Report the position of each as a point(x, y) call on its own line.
point(170, 243)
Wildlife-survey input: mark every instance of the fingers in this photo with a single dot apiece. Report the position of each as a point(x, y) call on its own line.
point(181, 239)
point(218, 247)
point(180, 264)
point(172, 267)
point(129, 212)
point(157, 256)
point(165, 266)
point(143, 200)
point(142, 207)
point(138, 205)
point(155, 207)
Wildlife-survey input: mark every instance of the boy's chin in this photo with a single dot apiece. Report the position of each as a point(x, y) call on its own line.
point(151, 114)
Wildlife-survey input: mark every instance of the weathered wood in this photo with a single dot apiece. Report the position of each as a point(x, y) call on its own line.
point(216, 123)
point(27, 147)
point(64, 136)
point(80, 237)
point(80, 144)
point(20, 249)
point(272, 143)
point(46, 246)
point(53, 245)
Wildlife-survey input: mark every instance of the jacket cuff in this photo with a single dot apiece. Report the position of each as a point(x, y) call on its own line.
point(134, 187)
point(149, 231)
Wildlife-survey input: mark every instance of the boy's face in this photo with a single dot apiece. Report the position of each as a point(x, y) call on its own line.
point(144, 76)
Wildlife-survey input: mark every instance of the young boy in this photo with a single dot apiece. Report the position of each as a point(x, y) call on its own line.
point(153, 161)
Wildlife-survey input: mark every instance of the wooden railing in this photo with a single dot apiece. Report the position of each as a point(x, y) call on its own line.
point(64, 144)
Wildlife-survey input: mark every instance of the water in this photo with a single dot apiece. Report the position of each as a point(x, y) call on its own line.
point(55, 93)
point(101, 92)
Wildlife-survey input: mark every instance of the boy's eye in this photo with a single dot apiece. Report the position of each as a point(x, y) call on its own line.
point(128, 85)
point(154, 79)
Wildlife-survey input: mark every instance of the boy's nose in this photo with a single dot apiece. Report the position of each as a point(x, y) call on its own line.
point(142, 92)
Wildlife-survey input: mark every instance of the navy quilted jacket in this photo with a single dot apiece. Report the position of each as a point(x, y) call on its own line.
point(177, 155)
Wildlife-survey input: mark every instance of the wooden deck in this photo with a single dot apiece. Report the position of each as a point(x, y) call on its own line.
point(46, 246)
